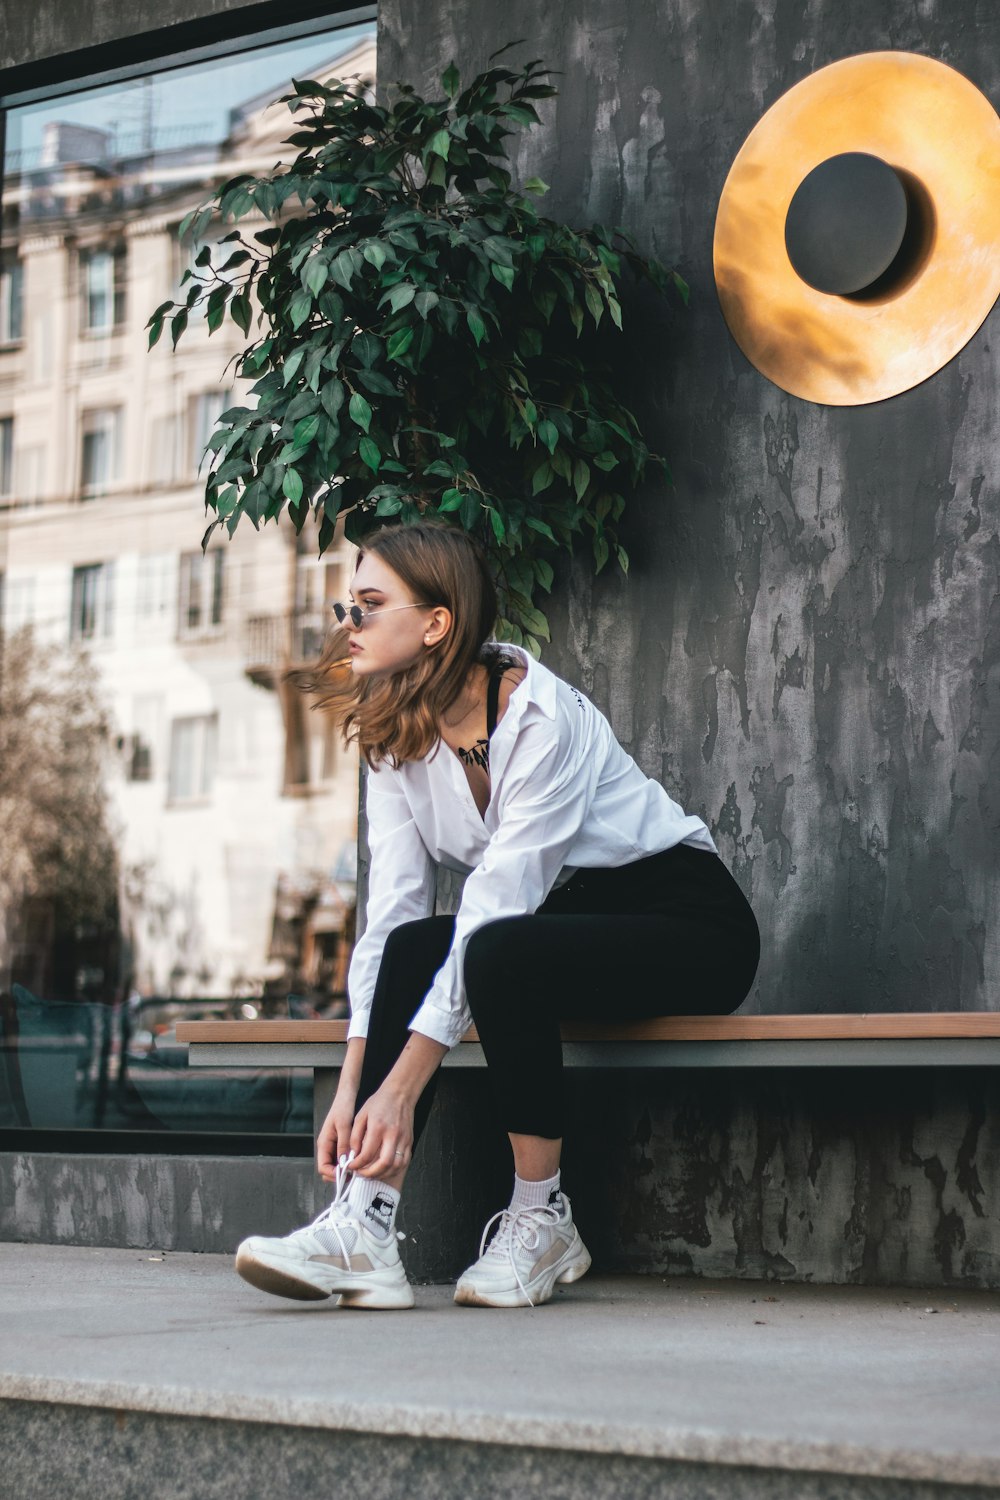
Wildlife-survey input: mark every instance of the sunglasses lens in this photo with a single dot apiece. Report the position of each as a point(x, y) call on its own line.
point(340, 612)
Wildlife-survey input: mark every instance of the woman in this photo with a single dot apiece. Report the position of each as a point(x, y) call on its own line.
point(589, 894)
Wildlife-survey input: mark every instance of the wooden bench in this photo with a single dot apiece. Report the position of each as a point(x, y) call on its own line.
point(902, 1039)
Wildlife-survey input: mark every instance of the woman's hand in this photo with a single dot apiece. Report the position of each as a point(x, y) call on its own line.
point(382, 1137)
point(334, 1139)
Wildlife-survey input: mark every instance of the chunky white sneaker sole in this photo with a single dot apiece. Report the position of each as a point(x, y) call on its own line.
point(311, 1281)
point(472, 1291)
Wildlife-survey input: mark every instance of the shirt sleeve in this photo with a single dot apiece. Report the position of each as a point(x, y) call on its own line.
point(401, 886)
point(546, 792)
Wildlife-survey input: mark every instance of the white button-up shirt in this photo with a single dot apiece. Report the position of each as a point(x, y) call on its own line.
point(564, 796)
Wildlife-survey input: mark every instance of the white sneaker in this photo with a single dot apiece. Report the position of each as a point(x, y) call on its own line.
point(532, 1250)
point(336, 1253)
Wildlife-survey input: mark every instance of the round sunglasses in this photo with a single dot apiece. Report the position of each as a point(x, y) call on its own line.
point(358, 616)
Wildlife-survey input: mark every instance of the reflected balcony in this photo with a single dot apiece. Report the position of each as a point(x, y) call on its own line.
point(276, 644)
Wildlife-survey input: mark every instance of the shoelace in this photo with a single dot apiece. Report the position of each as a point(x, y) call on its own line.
point(337, 1214)
point(518, 1227)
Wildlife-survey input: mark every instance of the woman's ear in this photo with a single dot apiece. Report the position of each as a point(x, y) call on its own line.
point(438, 626)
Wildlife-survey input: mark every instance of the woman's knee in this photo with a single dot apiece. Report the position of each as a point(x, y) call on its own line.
point(489, 955)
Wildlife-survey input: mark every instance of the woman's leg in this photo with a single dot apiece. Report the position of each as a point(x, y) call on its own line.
point(412, 956)
point(696, 954)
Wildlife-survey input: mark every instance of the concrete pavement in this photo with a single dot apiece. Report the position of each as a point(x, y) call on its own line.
point(761, 1378)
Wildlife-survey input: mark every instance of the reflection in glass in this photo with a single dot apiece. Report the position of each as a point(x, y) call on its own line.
point(177, 829)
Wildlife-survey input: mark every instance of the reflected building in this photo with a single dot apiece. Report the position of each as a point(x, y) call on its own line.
point(234, 807)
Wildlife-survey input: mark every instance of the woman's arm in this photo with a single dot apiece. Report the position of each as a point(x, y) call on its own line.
point(382, 1137)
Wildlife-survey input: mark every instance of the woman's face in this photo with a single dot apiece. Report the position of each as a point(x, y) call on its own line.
point(390, 642)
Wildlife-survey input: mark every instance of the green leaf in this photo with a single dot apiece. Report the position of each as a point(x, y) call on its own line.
point(497, 522)
point(542, 478)
point(389, 505)
point(581, 479)
point(536, 622)
point(239, 311)
point(314, 275)
point(291, 485)
point(615, 309)
point(399, 342)
point(548, 433)
point(155, 329)
point(541, 527)
point(439, 144)
point(292, 364)
point(505, 275)
point(476, 325)
point(332, 397)
point(375, 254)
point(600, 552)
point(299, 309)
point(606, 461)
point(401, 296)
point(178, 323)
point(536, 185)
point(368, 349)
point(450, 80)
point(360, 411)
point(370, 454)
point(425, 302)
point(306, 430)
point(622, 556)
point(595, 302)
point(544, 573)
point(451, 500)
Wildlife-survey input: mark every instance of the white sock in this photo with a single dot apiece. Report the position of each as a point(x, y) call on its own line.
point(536, 1194)
point(375, 1204)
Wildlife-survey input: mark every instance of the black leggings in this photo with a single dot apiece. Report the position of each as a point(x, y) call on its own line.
point(671, 934)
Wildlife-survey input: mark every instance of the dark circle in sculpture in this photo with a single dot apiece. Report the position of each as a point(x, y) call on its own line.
point(845, 223)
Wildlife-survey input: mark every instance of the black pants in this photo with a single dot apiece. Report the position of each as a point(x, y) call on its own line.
point(672, 934)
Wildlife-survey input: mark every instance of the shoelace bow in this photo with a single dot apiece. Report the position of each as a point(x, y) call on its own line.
point(519, 1227)
point(337, 1215)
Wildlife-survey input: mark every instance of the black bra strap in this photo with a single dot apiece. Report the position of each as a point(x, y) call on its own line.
point(493, 697)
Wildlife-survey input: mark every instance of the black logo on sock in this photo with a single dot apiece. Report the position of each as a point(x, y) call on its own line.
point(555, 1198)
point(379, 1211)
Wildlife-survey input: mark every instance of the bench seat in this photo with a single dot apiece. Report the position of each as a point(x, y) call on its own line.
point(889, 1039)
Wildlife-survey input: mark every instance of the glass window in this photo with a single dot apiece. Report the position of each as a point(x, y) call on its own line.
point(207, 851)
point(100, 455)
point(11, 299)
point(6, 457)
point(192, 758)
point(200, 604)
point(92, 602)
point(102, 289)
point(206, 408)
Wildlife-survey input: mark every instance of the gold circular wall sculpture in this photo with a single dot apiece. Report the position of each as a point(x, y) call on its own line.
point(941, 137)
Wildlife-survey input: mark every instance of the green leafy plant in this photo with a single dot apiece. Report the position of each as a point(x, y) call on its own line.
point(425, 342)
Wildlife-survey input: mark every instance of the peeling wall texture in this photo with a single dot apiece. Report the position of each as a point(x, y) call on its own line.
point(807, 651)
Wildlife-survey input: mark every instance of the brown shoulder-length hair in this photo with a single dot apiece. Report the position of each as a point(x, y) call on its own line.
point(395, 718)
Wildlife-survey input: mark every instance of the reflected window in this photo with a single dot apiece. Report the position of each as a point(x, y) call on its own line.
point(11, 299)
point(192, 758)
point(102, 289)
point(100, 454)
point(206, 409)
point(20, 602)
point(92, 602)
point(6, 457)
point(96, 182)
point(200, 604)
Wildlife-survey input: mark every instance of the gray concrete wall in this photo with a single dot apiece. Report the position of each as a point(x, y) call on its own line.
point(33, 31)
point(808, 649)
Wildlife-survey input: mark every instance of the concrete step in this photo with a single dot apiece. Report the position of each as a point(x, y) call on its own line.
point(139, 1373)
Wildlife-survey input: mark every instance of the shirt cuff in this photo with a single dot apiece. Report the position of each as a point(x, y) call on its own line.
point(442, 1025)
point(358, 1025)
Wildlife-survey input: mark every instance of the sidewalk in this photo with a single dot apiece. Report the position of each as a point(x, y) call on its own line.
point(734, 1379)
